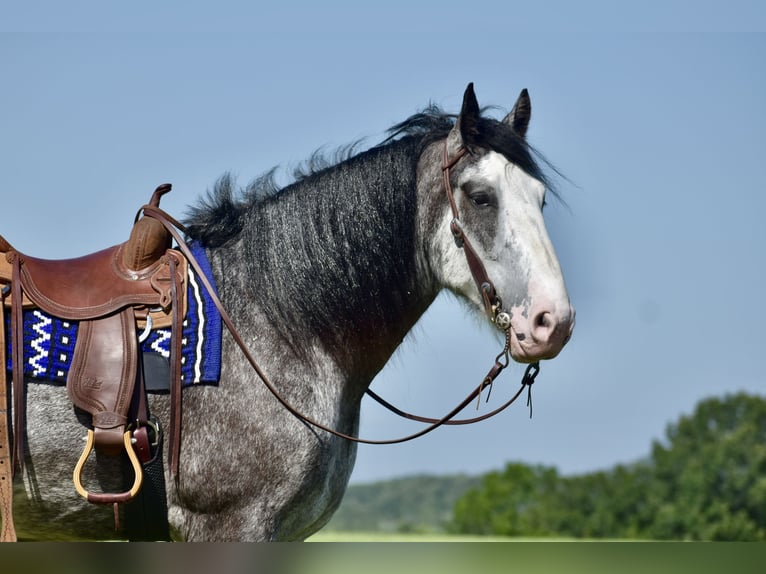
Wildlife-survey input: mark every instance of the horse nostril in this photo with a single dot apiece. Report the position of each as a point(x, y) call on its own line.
point(543, 327)
point(549, 330)
point(544, 320)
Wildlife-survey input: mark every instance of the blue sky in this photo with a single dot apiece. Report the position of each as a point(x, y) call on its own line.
point(658, 125)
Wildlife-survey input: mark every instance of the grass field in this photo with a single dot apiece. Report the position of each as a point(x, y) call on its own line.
point(330, 536)
point(525, 555)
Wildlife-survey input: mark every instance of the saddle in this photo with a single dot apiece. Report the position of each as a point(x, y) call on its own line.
point(113, 294)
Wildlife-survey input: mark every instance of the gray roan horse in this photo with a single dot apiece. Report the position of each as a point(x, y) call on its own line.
point(324, 278)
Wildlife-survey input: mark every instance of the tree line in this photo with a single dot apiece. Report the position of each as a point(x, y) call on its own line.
point(705, 480)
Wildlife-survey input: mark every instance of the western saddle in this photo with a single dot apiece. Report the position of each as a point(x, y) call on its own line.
point(113, 294)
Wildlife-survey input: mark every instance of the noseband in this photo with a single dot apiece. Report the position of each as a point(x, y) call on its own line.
point(492, 304)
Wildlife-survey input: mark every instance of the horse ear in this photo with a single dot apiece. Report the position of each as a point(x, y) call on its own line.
point(466, 128)
point(519, 116)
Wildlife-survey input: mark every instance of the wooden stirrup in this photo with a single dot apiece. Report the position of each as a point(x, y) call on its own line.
point(105, 497)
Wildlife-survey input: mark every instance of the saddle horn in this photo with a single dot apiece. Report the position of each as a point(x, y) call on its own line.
point(148, 239)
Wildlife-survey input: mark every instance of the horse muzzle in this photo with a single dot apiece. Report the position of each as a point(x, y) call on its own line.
point(540, 334)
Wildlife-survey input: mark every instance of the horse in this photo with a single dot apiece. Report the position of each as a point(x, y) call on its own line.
point(325, 277)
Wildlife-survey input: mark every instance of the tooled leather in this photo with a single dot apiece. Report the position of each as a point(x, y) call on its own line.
point(103, 375)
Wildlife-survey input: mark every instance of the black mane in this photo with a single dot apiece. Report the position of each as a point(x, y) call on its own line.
point(331, 243)
point(342, 237)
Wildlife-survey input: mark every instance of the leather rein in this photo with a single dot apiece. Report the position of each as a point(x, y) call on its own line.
point(492, 303)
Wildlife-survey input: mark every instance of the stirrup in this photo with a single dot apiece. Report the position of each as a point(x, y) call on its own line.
point(108, 498)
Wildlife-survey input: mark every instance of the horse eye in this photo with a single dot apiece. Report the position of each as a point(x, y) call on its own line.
point(481, 199)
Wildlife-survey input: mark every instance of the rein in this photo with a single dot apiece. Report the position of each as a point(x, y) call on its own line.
point(493, 307)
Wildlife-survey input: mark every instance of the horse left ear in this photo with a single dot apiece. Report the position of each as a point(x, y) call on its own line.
point(466, 128)
point(521, 113)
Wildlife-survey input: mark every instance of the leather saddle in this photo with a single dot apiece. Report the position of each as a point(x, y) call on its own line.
point(113, 294)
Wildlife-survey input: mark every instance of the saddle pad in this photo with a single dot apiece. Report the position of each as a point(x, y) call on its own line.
point(49, 341)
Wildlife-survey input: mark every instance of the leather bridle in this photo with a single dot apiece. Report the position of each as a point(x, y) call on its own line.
point(492, 304)
point(493, 307)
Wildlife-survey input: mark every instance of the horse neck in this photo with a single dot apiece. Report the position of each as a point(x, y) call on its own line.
point(332, 261)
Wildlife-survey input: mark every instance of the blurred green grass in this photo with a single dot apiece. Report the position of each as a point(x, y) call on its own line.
point(528, 556)
point(334, 536)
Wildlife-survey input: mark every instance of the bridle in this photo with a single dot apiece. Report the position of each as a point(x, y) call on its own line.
point(493, 307)
point(492, 304)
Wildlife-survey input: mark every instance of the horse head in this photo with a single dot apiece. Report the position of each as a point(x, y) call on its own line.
point(497, 193)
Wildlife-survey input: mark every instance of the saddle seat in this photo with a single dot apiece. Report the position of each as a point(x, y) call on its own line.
point(111, 293)
point(91, 286)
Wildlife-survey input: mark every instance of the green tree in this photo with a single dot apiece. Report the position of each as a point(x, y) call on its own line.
point(711, 473)
point(705, 481)
point(512, 503)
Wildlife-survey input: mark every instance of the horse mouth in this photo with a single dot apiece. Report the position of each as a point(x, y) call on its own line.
point(524, 348)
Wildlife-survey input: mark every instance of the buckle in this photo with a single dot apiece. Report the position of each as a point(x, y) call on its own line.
point(153, 425)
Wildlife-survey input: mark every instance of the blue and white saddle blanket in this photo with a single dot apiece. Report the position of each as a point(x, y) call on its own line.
point(49, 341)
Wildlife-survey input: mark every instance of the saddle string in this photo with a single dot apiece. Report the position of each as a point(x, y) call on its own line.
point(17, 322)
point(173, 228)
point(175, 372)
point(8, 531)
